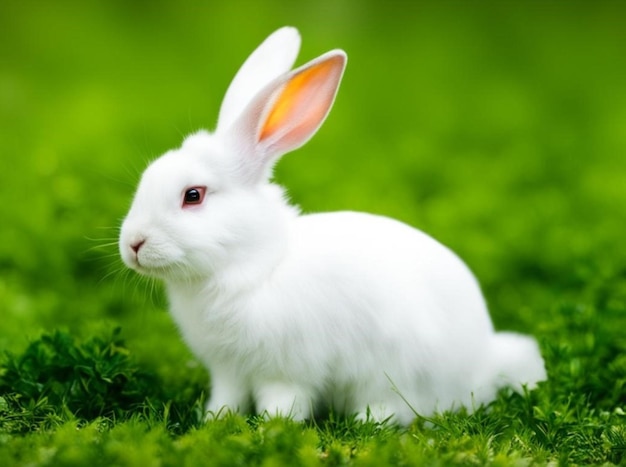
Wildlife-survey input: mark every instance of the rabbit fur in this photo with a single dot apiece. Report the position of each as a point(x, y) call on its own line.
point(297, 313)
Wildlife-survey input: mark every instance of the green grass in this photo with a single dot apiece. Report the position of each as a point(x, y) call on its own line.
point(497, 127)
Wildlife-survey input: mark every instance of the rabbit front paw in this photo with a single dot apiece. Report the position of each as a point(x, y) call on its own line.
point(227, 396)
point(288, 400)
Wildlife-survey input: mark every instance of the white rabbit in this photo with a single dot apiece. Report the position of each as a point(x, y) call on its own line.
point(291, 313)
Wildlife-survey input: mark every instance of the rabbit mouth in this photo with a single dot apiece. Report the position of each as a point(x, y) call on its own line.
point(148, 262)
point(151, 255)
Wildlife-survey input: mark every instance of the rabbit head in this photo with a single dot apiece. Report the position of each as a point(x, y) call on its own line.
point(203, 206)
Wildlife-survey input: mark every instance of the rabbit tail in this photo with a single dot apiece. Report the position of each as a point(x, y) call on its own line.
point(515, 362)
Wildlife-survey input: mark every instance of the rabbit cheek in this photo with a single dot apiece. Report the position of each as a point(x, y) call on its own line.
point(160, 257)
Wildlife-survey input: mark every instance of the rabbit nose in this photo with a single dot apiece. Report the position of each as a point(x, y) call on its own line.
point(137, 245)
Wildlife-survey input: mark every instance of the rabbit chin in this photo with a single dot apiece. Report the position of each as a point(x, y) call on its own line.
point(172, 273)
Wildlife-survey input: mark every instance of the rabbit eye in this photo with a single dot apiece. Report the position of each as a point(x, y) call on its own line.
point(194, 195)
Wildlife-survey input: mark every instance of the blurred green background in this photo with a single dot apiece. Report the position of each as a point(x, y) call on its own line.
point(497, 127)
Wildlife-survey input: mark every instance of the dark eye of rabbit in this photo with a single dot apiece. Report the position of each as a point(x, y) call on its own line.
point(194, 196)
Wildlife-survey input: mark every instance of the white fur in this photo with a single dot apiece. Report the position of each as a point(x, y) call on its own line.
point(294, 312)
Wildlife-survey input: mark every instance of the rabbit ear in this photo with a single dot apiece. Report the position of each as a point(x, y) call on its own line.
point(287, 113)
point(301, 105)
point(275, 56)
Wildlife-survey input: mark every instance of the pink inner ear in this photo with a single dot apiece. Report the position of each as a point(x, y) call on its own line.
point(302, 105)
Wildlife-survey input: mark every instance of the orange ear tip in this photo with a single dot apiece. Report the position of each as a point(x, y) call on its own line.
point(336, 58)
point(334, 63)
point(338, 55)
